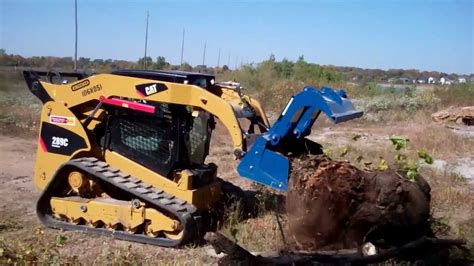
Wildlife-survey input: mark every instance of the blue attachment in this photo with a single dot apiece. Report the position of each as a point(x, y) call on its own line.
point(262, 164)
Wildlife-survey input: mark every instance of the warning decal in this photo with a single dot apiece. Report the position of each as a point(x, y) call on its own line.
point(62, 120)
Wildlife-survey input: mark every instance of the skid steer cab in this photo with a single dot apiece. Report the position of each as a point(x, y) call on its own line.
point(124, 153)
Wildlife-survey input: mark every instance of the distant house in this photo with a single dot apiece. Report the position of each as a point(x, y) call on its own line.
point(462, 80)
point(399, 80)
point(420, 81)
point(431, 80)
point(445, 81)
point(404, 80)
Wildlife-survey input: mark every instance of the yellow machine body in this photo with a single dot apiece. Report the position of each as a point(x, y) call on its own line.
point(77, 109)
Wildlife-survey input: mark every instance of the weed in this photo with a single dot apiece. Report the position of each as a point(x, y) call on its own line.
point(61, 240)
point(455, 95)
point(9, 225)
point(233, 216)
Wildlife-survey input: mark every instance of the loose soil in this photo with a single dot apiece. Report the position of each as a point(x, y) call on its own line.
point(333, 205)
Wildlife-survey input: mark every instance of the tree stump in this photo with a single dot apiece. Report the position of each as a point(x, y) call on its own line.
point(333, 205)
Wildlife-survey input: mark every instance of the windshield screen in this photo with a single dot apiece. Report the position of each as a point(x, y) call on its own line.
point(201, 82)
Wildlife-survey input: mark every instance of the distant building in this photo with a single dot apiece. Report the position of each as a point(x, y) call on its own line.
point(405, 80)
point(462, 80)
point(442, 80)
point(446, 81)
point(399, 80)
point(420, 81)
point(431, 80)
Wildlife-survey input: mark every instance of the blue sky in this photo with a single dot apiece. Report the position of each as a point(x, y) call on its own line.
point(426, 35)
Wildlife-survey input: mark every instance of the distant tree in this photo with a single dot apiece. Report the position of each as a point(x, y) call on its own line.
point(161, 63)
point(174, 67)
point(272, 58)
point(285, 68)
point(36, 61)
point(186, 67)
point(225, 68)
point(122, 64)
point(143, 60)
point(84, 63)
point(98, 63)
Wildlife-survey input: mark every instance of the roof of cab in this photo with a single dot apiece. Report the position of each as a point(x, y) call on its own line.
point(158, 74)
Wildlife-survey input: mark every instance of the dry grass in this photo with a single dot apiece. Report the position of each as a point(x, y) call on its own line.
point(452, 197)
point(56, 247)
point(258, 234)
point(19, 109)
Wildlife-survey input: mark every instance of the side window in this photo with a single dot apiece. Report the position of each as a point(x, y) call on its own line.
point(149, 141)
point(198, 138)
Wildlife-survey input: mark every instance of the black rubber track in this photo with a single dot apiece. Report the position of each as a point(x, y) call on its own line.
point(156, 198)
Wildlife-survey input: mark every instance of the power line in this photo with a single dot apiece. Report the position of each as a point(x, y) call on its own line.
point(204, 54)
point(75, 45)
point(146, 39)
point(182, 50)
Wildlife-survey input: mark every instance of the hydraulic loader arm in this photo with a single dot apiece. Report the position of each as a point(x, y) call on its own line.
point(263, 163)
point(244, 105)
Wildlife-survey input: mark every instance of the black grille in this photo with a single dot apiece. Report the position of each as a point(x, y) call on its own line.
point(151, 141)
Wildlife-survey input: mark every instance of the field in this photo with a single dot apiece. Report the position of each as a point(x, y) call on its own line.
point(365, 142)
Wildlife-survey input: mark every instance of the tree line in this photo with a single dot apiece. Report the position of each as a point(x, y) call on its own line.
point(271, 68)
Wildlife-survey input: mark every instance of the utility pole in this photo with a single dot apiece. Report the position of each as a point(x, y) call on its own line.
point(236, 61)
point(204, 54)
point(219, 57)
point(75, 46)
point(146, 40)
point(182, 50)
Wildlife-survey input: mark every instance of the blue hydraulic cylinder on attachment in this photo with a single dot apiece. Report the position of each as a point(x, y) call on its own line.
point(263, 163)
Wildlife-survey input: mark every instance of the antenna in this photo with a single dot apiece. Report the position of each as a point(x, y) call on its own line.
point(204, 54)
point(219, 57)
point(182, 50)
point(75, 45)
point(146, 39)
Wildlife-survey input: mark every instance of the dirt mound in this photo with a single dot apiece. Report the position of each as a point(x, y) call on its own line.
point(334, 205)
point(458, 115)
